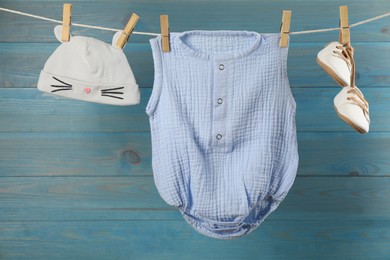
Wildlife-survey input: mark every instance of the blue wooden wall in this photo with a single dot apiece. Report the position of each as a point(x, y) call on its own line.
point(76, 179)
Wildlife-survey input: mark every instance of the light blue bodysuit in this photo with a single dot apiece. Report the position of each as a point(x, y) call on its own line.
point(222, 119)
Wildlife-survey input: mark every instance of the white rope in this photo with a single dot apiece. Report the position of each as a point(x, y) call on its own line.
point(156, 34)
point(371, 19)
point(73, 24)
point(336, 28)
point(30, 15)
point(315, 31)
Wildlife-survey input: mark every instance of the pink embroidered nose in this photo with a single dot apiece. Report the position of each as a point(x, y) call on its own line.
point(87, 90)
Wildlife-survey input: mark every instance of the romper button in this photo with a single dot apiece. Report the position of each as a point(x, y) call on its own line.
point(219, 136)
point(221, 67)
point(220, 101)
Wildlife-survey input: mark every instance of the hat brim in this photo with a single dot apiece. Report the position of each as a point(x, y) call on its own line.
point(113, 94)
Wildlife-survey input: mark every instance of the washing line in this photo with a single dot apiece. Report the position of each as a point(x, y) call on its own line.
point(156, 34)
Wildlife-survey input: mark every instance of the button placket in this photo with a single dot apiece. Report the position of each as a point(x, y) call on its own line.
point(220, 91)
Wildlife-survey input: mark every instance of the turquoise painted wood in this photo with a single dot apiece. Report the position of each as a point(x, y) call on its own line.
point(25, 61)
point(76, 180)
point(127, 197)
point(129, 154)
point(261, 16)
point(311, 239)
point(49, 113)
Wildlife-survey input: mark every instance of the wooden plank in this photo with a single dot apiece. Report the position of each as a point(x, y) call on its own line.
point(344, 154)
point(76, 179)
point(75, 154)
point(136, 198)
point(262, 16)
point(176, 240)
point(315, 109)
point(29, 110)
point(24, 61)
point(304, 71)
point(129, 154)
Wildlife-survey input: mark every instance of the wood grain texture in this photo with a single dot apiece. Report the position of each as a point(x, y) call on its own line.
point(252, 15)
point(176, 240)
point(351, 154)
point(75, 154)
point(29, 110)
point(22, 63)
point(129, 154)
point(136, 198)
point(76, 178)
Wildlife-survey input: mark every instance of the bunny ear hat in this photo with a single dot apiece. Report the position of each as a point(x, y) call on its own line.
point(90, 70)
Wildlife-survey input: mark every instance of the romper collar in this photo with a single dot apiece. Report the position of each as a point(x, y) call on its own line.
point(239, 52)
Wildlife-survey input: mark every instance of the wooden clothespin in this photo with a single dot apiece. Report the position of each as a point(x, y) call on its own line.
point(127, 31)
point(66, 20)
point(164, 33)
point(285, 28)
point(345, 36)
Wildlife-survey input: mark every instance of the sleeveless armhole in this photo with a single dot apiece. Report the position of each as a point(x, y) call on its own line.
point(292, 157)
point(284, 53)
point(158, 77)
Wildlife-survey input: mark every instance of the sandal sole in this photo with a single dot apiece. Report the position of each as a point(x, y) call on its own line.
point(349, 122)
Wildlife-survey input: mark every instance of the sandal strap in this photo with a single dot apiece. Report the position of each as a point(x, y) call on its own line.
point(346, 53)
point(359, 103)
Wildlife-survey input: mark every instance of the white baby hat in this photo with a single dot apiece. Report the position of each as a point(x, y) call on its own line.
point(91, 70)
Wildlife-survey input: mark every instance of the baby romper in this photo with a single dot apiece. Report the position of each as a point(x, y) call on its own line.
point(222, 119)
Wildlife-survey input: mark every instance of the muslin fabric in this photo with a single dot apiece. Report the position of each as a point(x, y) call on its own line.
point(222, 116)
